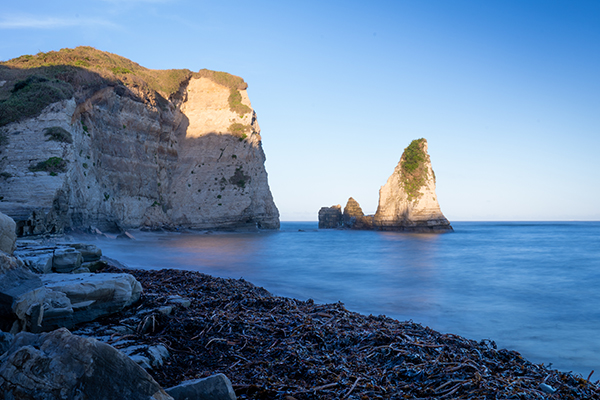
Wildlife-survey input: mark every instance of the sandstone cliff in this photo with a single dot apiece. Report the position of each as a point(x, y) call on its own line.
point(407, 202)
point(119, 146)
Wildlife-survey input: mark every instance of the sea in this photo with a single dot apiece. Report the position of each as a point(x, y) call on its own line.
point(532, 287)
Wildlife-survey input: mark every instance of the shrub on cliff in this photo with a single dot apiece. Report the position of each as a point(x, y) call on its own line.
point(414, 170)
point(53, 165)
point(31, 95)
point(58, 134)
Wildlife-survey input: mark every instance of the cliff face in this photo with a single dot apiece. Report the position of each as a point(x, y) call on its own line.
point(113, 157)
point(408, 201)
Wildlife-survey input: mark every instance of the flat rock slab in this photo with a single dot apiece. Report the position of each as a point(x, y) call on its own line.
point(59, 365)
point(91, 296)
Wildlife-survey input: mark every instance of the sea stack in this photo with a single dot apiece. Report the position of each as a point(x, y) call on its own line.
point(407, 202)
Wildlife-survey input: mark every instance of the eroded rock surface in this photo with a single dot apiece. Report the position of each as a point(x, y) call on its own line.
point(114, 158)
point(59, 365)
point(7, 234)
point(330, 217)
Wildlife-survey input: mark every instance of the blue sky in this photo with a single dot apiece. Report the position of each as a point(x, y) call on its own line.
point(507, 93)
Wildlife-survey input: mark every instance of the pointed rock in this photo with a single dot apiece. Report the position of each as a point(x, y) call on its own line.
point(407, 202)
point(354, 217)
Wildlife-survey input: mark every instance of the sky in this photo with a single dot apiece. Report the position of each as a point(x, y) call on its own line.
point(507, 93)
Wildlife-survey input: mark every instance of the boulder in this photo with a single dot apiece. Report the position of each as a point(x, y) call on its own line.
point(66, 259)
point(21, 295)
point(37, 260)
point(89, 252)
point(5, 341)
point(91, 296)
point(8, 234)
point(59, 365)
point(216, 387)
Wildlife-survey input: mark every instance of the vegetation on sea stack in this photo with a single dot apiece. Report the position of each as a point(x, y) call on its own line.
point(414, 169)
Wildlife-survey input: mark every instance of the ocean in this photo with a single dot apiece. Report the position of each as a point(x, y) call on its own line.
point(533, 287)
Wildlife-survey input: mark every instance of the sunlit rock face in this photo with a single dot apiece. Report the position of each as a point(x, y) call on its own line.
point(128, 162)
point(407, 202)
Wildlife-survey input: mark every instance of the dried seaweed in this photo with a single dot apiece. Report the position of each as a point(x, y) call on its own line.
point(279, 348)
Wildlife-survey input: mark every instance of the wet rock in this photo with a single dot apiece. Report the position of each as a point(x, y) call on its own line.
point(38, 261)
point(89, 252)
point(8, 234)
point(216, 387)
point(126, 236)
point(5, 341)
point(59, 365)
point(66, 259)
point(21, 295)
point(91, 296)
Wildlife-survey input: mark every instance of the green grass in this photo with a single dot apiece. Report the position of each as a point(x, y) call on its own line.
point(35, 81)
point(234, 83)
point(414, 168)
point(44, 78)
point(30, 96)
point(53, 165)
point(239, 130)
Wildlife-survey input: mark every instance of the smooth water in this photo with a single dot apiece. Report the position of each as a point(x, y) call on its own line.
point(531, 287)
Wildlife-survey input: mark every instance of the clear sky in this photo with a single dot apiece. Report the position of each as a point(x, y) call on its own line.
point(507, 93)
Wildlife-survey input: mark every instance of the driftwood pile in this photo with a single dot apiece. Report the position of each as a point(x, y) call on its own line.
point(280, 348)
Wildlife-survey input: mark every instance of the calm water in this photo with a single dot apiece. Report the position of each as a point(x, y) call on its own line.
point(531, 287)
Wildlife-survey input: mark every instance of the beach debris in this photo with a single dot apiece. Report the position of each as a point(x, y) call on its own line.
point(280, 348)
point(547, 388)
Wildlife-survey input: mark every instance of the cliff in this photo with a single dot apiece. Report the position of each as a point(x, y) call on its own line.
point(88, 138)
point(407, 202)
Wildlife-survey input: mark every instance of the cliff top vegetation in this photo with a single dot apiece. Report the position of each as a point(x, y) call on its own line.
point(31, 82)
point(414, 168)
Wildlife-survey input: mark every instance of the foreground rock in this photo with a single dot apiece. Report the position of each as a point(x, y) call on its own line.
point(45, 302)
point(407, 202)
point(216, 387)
point(8, 234)
point(59, 365)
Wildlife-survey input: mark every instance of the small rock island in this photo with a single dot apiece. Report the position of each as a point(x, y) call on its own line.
point(407, 202)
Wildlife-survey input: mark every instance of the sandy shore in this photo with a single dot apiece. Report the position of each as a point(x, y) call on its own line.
point(279, 348)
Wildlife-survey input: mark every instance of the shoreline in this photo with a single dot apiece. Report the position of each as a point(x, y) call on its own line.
point(278, 347)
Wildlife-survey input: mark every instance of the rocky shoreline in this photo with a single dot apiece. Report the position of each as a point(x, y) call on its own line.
point(189, 327)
